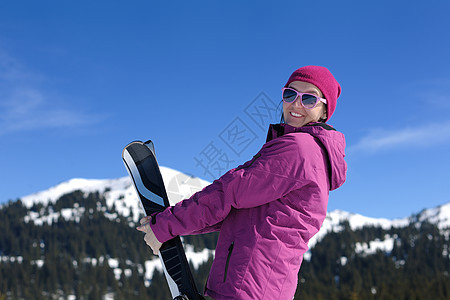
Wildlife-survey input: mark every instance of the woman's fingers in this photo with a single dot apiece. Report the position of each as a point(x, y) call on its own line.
point(145, 219)
point(152, 241)
point(142, 227)
point(149, 237)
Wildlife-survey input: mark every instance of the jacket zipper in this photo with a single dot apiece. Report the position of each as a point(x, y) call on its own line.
point(230, 249)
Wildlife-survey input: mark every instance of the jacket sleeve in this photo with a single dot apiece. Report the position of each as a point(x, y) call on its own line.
point(277, 169)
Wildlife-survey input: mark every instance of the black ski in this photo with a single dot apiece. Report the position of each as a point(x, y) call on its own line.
point(141, 164)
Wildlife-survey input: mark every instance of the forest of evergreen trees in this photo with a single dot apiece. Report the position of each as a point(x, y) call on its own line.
point(52, 261)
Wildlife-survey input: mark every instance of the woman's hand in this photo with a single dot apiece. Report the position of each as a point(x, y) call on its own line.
point(149, 237)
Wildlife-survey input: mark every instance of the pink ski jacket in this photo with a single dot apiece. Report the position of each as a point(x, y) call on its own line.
point(266, 211)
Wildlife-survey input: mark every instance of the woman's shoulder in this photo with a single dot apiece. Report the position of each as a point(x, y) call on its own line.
point(292, 145)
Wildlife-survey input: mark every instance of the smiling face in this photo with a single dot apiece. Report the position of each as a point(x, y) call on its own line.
point(295, 114)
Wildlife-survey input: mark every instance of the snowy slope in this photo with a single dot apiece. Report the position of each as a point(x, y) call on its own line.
point(180, 186)
point(439, 215)
point(335, 218)
point(120, 192)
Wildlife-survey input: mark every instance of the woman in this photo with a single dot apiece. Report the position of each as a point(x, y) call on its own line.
point(268, 208)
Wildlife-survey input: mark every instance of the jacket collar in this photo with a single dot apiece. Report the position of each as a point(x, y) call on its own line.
point(277, 130)
point(332, 141)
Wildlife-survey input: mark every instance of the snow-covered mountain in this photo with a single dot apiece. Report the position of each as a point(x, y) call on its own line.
point(333, 223)
point(121, 193)
point(438, 215)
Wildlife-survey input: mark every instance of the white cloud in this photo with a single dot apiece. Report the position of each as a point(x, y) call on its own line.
point(28, 109)
point(424, 136)
point(428, 93)
point(25, 106)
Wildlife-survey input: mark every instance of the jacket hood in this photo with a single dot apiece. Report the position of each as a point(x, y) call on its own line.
point(332, 141)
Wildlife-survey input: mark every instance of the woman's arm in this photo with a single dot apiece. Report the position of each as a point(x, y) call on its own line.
point(279, 169)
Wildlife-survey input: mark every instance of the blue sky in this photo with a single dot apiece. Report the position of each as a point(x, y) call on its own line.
point(79, 80)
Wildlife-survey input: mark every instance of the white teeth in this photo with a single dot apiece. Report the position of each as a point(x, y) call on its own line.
point(296, 114)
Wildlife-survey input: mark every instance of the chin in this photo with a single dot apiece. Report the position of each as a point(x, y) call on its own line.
point(295, 124)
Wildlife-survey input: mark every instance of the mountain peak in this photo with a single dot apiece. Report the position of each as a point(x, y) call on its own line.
point(86, 185)
point(120, 191)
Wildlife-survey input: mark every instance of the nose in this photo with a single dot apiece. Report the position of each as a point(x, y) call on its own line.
point(297, 102)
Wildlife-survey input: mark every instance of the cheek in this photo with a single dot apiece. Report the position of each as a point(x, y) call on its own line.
point(315, 114)
point(285, 106)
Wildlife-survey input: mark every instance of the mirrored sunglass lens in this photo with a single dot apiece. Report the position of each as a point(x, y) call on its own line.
point(309, 101)
point(289, 95)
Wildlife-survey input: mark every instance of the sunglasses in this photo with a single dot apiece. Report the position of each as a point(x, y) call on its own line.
point(308, 100)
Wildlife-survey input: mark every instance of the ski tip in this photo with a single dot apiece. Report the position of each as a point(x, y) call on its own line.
point(150, 145)
point(127, 146)
point(134, 142)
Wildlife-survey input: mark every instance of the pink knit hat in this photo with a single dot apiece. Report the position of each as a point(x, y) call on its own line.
point(323, 79)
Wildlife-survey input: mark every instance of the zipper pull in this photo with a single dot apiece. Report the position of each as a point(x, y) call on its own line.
point(231, 247)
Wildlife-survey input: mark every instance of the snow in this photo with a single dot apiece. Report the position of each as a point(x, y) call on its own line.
point(120, 193)
point(198, 258)
point(113, 263)
point(90, 260)
point(439, 215)
point(11, 259)
point(343, 260)
point(372, 247)
point(109, 296)
point(39, 263)
point(332, 223)
point(334, 219)
point(85, 185)
point(117, 273)
point(69, 214)
point(151, 266)
point(307, 255)
point(127, 272)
